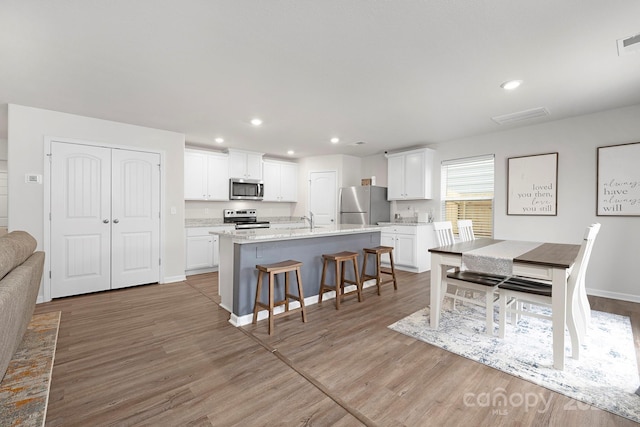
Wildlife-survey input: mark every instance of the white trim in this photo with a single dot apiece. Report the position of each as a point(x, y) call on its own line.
point(173, 279)
point(613, 295)
point(46, 285)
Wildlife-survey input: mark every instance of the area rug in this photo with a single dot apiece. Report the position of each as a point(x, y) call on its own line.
point(606, 376)
point(24, 390)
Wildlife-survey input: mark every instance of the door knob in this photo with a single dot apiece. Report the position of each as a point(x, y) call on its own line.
point(115, 221)
point(106, 221)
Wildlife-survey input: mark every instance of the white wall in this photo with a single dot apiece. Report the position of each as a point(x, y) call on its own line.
point(617, 247)
point(27, 129)
point(375, 165)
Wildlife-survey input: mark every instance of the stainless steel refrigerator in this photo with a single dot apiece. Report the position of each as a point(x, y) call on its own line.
point(364, 205)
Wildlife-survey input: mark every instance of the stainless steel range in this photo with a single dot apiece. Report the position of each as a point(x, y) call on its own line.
point(243, 219)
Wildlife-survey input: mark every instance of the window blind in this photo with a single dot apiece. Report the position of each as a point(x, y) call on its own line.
point(467, 192)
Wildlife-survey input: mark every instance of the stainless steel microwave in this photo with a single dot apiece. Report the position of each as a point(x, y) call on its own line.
point(245, 189)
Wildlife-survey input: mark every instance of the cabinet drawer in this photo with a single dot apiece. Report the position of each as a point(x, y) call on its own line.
point(403, 229)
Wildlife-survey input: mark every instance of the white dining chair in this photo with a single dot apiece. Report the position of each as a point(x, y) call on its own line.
point(515, 291)
point(461, 281)
point(465, 230)
point(444, 233)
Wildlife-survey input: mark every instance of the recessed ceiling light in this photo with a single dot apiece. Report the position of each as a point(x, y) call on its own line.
point(256, 122)
point(511, 84)
point(335, 140)
point(290, 152)
point(219, 140)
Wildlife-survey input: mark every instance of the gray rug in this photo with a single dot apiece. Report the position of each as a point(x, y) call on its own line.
point(606, 376)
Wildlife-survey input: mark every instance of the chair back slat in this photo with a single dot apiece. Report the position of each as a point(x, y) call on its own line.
point(444, 233)
point(465, 230)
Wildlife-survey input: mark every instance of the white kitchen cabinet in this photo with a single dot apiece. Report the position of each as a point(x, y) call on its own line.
point(202, 254)
point(410, 175)
point(410, 246)
point(206, 175)
point(280, 181)
point(245, 164)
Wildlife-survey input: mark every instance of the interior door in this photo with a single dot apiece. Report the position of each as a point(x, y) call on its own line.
point(105, 218)
point(80, 219)
point(323, 197)
point(135, 213)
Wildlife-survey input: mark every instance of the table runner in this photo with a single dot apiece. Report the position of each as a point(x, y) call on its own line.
point(496, 258)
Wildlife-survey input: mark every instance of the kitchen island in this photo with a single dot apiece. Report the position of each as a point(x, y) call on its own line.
point(241, 250)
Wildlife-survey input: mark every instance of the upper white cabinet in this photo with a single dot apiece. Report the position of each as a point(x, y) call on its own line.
point(245, 164)
point(206, 175)
point(280, 181)
point(409, 175)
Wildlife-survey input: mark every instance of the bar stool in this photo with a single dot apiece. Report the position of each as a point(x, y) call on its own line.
point(273, 269)
point(340, 258)
point(378, 251)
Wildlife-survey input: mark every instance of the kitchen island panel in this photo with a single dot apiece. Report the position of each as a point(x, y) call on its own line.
point(308, 251)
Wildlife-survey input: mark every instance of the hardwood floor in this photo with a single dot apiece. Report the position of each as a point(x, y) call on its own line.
point(165, 355)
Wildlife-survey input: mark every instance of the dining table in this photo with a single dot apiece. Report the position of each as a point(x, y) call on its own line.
point(539, 260)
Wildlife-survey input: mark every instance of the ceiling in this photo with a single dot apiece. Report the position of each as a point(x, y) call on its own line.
point(391, 74)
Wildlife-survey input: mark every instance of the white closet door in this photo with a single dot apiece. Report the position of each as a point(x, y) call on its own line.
point(80, 219)
point(322, 197)
point(135, 225)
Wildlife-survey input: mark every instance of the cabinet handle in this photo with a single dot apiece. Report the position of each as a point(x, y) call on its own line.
point(115, 221)
point(106, 221)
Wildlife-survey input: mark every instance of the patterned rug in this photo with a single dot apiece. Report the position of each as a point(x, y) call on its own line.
point(24, 390)
point(606, 376)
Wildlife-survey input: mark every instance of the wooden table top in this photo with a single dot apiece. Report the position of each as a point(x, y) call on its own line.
point(549, 254)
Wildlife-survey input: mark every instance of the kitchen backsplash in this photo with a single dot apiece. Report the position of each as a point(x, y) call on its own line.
point(199, 209)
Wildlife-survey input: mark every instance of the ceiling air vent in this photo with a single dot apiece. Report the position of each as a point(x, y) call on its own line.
point(629, 45)
point(520, 116)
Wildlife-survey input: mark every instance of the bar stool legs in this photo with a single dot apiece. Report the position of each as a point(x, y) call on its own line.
point(272, 269)
point(378, 251)
point(339, 259)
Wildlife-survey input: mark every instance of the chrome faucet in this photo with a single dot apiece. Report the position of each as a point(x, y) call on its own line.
point(310, 219)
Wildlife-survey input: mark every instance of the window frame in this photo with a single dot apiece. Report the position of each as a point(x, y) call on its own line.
point(466, 198)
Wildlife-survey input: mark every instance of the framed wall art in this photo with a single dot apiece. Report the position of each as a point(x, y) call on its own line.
point(532, 185)
point(618, 186)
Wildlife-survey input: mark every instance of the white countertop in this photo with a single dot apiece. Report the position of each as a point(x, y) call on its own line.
point(266, 234)
point(218, 222)
point(414, 224)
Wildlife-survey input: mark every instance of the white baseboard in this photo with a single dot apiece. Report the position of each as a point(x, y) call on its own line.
point(173, 279)
point(613, 295)
point(264, 314)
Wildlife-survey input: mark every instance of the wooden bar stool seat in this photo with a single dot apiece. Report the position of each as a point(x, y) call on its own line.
point(378, 251)
point(340, 259)
point(272, 269)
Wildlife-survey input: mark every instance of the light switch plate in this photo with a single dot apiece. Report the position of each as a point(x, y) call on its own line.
point(32, 178)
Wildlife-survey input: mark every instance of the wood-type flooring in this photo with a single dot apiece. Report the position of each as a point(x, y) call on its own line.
point(165, 355)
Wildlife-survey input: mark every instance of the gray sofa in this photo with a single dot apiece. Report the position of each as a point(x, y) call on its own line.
point(20, 276)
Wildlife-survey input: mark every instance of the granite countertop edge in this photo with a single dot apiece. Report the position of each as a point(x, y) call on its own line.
point(413, 223)
point(261, 235)
point(218, 222)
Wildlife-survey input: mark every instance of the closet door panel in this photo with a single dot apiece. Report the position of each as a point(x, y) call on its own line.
point(80, 219)
point(136, 218)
